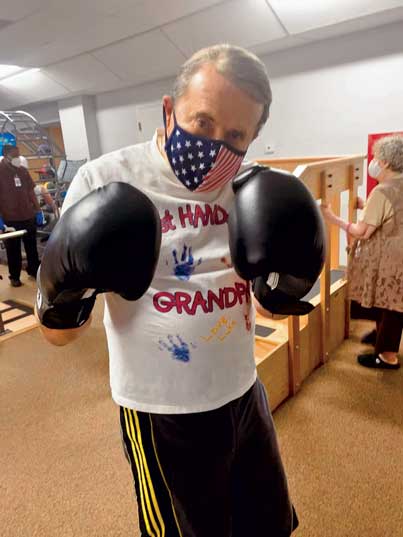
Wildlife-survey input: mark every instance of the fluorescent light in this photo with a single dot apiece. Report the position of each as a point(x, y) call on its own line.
point(7, 70)
point(19, 77)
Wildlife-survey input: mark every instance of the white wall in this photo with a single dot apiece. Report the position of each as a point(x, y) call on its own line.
point(117, 117)
point(90, 118)
point(327, 96)
point(74, 130)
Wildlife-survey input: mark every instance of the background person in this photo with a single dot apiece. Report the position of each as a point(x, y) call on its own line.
point(375, 272)
point(19, 209)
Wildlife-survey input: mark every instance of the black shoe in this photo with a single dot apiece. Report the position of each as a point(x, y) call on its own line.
point(369, 338)
point(15, 283)
point(375, 361)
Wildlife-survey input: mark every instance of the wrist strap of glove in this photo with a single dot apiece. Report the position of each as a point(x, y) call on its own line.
point(277, 302)
point(65, 315)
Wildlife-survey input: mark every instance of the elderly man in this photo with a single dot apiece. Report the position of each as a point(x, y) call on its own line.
point(19, 209)
point(195, 421)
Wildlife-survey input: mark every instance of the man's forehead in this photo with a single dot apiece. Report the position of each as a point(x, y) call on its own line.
point(209, 90)
point(208, 79)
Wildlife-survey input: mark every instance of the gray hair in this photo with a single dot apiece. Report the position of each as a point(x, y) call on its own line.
point(390, 149)
point(237, 65)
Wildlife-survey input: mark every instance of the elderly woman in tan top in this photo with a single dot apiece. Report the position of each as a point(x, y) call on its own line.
point(375, 271)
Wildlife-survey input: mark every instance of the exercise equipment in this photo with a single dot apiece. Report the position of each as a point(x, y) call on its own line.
point(6, 236)
point(55, 172)
point(12, 234)
point(24, 131)
point(29, 136)
point(287, 351)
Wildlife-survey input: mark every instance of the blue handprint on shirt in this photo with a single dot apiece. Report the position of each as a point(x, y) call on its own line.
point(186, 267)
point(180, 350)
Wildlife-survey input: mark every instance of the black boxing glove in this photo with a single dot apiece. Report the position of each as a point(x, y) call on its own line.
point(280, 294)
point(276, 238)
point(109, 241)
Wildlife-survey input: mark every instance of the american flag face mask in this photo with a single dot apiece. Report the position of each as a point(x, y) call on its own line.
point(201, 164)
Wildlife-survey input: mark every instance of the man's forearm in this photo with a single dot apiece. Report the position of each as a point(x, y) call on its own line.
point(62, 337)
point(36, 204)
point(34, 200)
point(266, 313)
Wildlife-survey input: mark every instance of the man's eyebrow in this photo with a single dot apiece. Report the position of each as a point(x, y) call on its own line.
point(238, 131)
point(202, 114)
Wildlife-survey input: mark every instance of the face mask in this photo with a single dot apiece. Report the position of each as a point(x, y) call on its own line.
point(201, 164)
point(374, 169)
point(16, 161)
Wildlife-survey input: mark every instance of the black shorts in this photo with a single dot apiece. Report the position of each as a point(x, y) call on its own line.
point(209, 474)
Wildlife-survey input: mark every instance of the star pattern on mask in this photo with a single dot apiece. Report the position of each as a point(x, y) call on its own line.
point(200, 163)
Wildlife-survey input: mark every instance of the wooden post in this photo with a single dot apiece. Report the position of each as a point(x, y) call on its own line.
point(294, 354)
point(354, 177)
point(325, 279)
point(2, 329)
point(335, 234)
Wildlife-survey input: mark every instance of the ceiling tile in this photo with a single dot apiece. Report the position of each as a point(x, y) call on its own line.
point(17, 9)
point(141, 59)
point(82, 73)
point(354, 25)
point(27, 36)
point(150, 10)
point(4, 23)
point(278, 44)
point(298, 16)
point(67, 29)
point(7, 99)
point(144, 11)
point(241, 22)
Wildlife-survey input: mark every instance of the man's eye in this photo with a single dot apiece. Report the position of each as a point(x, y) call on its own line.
point(202, 123)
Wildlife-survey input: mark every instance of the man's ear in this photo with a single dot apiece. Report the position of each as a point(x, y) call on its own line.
point(168, 104)
point(257, 131)
point(260, 127)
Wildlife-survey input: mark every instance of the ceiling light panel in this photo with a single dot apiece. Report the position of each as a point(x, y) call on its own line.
point(8, 70)
point(31, 86)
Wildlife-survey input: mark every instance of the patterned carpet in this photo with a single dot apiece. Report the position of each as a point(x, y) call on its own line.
point(63, 472)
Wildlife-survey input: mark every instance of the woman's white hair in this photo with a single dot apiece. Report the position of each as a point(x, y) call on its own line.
point(390, 149)
point(237, 65)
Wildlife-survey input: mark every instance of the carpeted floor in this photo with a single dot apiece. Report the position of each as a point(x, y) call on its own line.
point(342, 443)
point(63, 472)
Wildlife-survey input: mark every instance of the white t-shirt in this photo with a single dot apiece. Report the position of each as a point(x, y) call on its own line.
point(188, 344)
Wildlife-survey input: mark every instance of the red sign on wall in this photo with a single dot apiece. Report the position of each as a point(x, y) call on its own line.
point(372, 138)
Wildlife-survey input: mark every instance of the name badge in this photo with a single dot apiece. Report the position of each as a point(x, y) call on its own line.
point(17, 181)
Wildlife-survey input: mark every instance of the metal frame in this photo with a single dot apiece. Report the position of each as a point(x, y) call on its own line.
point(29, 134)
point(4, 236)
